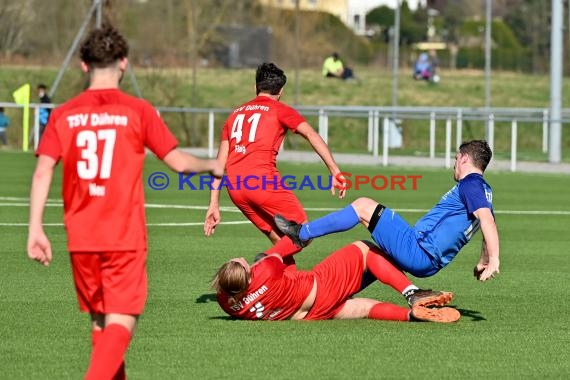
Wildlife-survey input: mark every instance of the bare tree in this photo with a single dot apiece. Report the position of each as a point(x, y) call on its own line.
point(16, 21)
point(202, 19)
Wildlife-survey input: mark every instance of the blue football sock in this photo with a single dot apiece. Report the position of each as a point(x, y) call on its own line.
point(337, 221)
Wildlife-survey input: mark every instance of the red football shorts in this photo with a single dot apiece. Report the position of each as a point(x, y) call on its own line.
point(339, 276)
point(260, 206)
point(110, 282)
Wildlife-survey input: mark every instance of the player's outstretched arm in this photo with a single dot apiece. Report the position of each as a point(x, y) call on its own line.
point(483, 261)
point(321, 148)
point(213, 215)
point(182, 162)
point(39, 247)
point(488, 265)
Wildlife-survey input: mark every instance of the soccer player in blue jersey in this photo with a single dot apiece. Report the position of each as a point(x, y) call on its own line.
point(428, 246)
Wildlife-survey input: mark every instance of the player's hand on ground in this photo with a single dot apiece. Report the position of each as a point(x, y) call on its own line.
point(213, 218)
point(338, 183)
point(485, 272)
point(477, 270)
point(39, 248)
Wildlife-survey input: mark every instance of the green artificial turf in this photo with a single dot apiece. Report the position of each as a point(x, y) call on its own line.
point(514, 327)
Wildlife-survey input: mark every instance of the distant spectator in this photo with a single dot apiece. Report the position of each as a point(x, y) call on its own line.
point(44, 112)
point(433, 60)
point(334, 68)
point(425, 68)
point(4, 124)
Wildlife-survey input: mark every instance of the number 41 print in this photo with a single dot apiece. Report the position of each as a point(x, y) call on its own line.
point(253, 121)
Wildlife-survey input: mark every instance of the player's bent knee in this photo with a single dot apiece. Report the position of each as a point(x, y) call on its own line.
point(369, 244)
point(364, 207)
point(362, 245)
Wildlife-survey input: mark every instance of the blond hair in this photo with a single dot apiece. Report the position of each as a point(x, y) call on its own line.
point(231, 278)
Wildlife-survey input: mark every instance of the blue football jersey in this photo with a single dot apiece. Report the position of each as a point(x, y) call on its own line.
point(450, 224)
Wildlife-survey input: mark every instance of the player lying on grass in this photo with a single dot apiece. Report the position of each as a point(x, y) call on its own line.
point(251, 138)
point(436, 238)
point(100, 136)
point(272, 290)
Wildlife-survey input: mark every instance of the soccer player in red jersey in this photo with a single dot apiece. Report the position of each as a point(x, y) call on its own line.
point(251, 138)
point(100, 136)
point(272, 290)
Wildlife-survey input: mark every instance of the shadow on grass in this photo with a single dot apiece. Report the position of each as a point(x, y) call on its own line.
point(473, 314)
point(211, 297)
point(224, 318)
point(206, 298)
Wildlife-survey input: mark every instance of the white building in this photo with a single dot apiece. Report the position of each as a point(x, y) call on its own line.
point(357, 10)
point(351, 12)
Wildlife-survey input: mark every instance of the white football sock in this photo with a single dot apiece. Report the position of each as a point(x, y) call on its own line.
point(411, 287)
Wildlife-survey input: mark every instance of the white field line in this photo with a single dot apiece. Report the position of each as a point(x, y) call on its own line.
point(184, 224)
point(23, 202)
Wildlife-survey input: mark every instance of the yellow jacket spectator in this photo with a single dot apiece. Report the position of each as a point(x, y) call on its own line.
point(334, 68)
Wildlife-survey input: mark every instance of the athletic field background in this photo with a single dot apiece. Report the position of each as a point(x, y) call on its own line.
point(515, 326)
point(223, 88)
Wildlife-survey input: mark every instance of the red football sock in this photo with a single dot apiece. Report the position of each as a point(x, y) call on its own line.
point(107, 357)
point(284, 247)
point(95, 337)
point(389, 312)
point(386, 272)
point(121, 374)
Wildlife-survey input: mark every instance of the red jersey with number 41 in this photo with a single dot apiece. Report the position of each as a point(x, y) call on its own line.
point(255, 131)
point(101, 136)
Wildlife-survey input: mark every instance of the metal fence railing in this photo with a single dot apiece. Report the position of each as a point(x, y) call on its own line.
point(382, 124)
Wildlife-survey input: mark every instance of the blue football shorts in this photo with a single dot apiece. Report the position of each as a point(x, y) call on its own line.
point(398, 239)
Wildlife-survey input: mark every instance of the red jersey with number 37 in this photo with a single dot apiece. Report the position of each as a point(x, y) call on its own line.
point(274, 293)
point(101, 136)
point(255, 131)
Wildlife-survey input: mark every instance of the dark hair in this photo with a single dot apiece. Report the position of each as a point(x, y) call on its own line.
point(103, 47)
point(1, 109)
point(42, 86)
point(269, 79)
point(479, 151)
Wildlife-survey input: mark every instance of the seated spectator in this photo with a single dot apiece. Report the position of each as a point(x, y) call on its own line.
point(4, 123)
point(334, 68)
point(424, 68)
